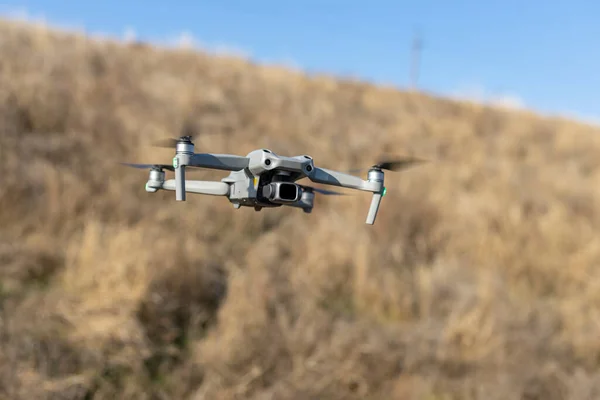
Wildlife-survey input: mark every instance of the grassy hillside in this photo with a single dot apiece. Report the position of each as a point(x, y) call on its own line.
point(480, 279)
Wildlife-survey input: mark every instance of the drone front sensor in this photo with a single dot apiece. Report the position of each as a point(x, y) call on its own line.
point(263, 179)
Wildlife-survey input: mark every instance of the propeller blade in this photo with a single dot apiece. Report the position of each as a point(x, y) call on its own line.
point(189, 132)
point(169, 143)
point(392, 165)
point(399, 164)
point(150, 166)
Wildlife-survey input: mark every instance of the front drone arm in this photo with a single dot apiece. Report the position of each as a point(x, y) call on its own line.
point(374, 184)
point(335, 178)
point(224, 162)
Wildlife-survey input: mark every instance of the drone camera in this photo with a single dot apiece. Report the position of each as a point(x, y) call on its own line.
point(281, 192)
point(288, 191)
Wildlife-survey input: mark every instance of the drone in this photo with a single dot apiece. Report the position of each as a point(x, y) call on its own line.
point(262, 178)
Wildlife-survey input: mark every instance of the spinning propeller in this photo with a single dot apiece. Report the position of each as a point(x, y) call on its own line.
point(392, 165)
point(189, 133)
point(150, 166)
point(171, 143)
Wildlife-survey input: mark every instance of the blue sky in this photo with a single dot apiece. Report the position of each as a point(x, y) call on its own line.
point(543, 55)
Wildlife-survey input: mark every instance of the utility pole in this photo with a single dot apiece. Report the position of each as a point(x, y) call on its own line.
point(417, 46)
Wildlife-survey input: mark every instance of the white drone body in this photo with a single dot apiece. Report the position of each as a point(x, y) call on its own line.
point(261, 179)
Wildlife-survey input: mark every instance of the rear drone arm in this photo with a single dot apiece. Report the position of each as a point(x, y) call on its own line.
point(374, 184)
point(186, 158)
point(212, 188)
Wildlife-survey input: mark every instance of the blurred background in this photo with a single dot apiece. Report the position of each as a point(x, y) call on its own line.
point(479, 279)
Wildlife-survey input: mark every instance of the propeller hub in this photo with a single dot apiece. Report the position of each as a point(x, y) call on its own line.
point(375, 174)
point(156, 179)
point(184, 145)
point(157, 175)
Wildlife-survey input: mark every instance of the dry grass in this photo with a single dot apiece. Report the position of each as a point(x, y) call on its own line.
point(480, 279)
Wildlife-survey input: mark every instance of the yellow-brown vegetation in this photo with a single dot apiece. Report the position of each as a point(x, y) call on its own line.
point(479, 280)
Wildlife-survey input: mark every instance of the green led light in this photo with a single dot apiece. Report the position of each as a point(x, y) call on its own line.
point(384, 191)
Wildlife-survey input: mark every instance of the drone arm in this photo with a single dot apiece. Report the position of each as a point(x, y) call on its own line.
point(373, 184)
point(179, 183)
point(375, 202)
point(335, 178)
point(225, 162)
point(211, 188)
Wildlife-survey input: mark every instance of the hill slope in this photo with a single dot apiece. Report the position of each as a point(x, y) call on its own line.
point(478, 281)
